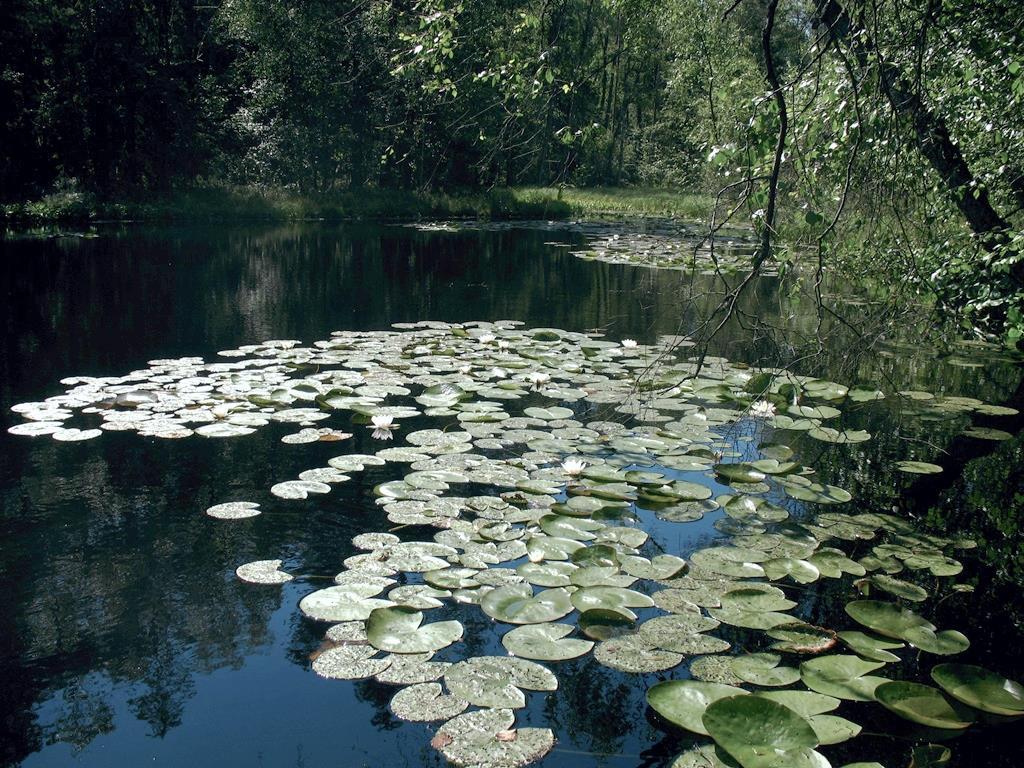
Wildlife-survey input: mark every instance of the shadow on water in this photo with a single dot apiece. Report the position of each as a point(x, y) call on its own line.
point(123, 631)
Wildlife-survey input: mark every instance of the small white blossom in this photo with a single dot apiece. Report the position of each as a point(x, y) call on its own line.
point(573, 467)
point(539, 379)
point(629, 343)
point(762, 409)
point(502, 344)
point(499, 373)
point(487, 338)
point(383, 424)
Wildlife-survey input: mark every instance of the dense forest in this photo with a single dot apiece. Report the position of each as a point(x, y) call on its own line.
point(896, 124)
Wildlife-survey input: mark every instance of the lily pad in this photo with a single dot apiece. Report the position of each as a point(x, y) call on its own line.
point(516, 604)
point(234, 510)
point(400, 629)
point(759, 732)
point(345, 602)
point(496, 681)
point(263, 572)
point(923, 705)
point(298, 489)
point(886, 619)
point(601, 624)
point(545, 642)
point(425, 702)
point(841, 676)
point(918, 467)
point(657, 568)
point(486, 739)
point(799, 637)
point(946, 642)
point(981, 689)
point(684, 702)
point(609, 598)
point(349, 663)
point(870, 646)
point(634, 654)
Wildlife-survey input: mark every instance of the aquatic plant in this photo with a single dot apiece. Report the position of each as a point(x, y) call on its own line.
point(525, 504)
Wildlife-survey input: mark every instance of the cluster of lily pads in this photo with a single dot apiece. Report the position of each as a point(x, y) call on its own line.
point(526, 503)
point(665, 243)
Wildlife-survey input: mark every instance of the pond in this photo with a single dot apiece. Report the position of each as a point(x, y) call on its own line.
point(127, 637)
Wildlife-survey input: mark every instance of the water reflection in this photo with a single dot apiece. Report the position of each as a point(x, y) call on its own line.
point(122, 628)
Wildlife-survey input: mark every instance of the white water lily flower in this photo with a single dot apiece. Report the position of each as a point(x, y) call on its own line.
point(629, 343)
point(487, 338)
point(762, 409)
point(499, 373)
point(383, 424)
point(539, 378)
point(502, 344)
point(573, 467)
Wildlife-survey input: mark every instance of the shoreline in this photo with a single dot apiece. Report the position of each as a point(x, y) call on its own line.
point(241, 204)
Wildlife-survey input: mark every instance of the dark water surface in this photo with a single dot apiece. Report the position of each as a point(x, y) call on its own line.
point(125, 638)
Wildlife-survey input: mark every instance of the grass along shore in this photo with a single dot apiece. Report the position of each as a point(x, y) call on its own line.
point(223, 203)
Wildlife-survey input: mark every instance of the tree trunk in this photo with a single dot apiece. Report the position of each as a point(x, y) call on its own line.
point(930, 131)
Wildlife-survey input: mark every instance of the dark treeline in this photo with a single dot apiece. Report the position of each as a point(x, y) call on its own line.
point(888, 134)
point(128, 95)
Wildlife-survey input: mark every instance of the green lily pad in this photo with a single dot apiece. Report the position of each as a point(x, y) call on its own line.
point(553, 573)
point(345, 602)
point(715, 669)
point(684, 702)
point(545, 642)
point(763, 669)
point(804, 703)
point(496, 681)
point(707, 756)
point(844, 677)
point(759, 732)
point(831, 729)
point(897, 587)
point(801, 571)
point(886, 619)
point(946, 642)
point(346, 662)
point(234, 510)
point(516, 604)
point(683, 633)
point(424, 702)
point(609, 598)
point(981, 689)
point(632, 653)
point(918, 467)
point(551, 548)
point(452, 578)
point(486, 739)
point(987, 433)
point(595, 555)
point(603, 624)
point(739, 473)
point(799, 637)
point(400, 629)
point(869, 646)
point(263, 572)
point(575, 528)
point(656, 569)
point(923, 705)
